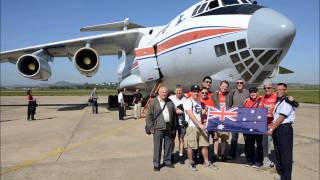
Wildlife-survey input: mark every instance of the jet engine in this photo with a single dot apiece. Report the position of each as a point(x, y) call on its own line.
point(86, 61)
point(35, 66)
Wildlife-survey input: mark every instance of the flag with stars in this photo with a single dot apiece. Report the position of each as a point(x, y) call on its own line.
point(243, 120)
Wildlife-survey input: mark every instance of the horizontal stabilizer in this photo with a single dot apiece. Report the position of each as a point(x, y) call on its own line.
point(283, 70)
point(116, 26)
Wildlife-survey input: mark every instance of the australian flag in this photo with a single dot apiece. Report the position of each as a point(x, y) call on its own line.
point(244, 120)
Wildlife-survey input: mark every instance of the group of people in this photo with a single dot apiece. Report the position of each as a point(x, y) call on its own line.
point(137, 100)
point(185, 114)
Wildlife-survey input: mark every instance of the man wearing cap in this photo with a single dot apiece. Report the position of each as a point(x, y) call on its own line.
point(269, 101)
point(196, 131)
point(236, 99)
point(161, 122)
point(282, 132)
point(255, 155)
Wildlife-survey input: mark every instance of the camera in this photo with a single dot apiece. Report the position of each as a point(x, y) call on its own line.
point(182, 117)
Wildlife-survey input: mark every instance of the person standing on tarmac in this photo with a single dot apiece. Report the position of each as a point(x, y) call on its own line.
point(282, 132)
point(137, 104)
point(161, 122)
point(94, 99)
point(32, 105)
point(121, 104)
point(269, 101)
point(255, 155)
point(236, 99)
point(178, 98)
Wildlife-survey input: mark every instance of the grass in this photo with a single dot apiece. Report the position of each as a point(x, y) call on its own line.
point(306, 96)
point(58, 92)
point(303, 96)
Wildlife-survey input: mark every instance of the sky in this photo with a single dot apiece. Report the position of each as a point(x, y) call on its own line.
point(32, 22)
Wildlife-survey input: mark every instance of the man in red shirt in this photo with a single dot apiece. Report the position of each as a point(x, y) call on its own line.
point(206, 83)
point(220, 98)
point(269, 101)
point(206, 102)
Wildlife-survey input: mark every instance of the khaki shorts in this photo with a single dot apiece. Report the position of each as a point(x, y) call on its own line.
point(196, 138)
point(224, 136)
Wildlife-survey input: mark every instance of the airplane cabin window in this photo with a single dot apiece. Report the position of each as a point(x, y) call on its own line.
point(231, 46)
point(241, 43)
point(202, 8)
point(196, 10)
point(220, 50)
point(230, 2)
point(213, 4)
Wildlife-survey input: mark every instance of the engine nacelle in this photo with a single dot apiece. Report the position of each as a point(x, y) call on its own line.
point(35, 66)
point(87, 61)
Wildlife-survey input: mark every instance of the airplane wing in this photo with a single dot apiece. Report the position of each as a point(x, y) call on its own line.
point(104, 44)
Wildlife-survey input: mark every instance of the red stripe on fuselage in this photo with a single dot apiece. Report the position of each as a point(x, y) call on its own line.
point(182, 39)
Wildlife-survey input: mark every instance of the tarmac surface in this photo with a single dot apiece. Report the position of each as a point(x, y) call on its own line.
point(75, 144)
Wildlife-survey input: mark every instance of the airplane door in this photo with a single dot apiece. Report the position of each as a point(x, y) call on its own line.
point(148, 65)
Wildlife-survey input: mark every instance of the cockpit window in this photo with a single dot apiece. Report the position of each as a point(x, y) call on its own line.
point(202, 8)
point(196, 10)
point(218, 7)
point(213, 4)
point(230, 2)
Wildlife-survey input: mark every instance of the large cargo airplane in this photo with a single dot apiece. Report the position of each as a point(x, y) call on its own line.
point(225, 39)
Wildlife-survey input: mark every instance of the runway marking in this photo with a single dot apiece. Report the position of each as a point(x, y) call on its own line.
point(60, 150)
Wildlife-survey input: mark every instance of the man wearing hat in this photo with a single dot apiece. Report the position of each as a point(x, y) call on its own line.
point(196, 131)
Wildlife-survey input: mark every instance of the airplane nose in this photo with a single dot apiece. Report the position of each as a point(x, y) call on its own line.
point(270, 29)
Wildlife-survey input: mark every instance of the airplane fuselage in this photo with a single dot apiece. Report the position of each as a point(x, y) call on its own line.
point(224, 45)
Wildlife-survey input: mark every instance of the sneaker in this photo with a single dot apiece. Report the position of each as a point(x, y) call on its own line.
point(211, 166)
point(257, 165)
point(156, 169)
point(223, 158)
point(249, 164)
point(181, 159)
point(277, 177)
point(169, 165)
point(193, 167)
point(215, 158)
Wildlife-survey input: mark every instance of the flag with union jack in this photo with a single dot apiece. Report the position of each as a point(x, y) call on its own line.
point(244, 120)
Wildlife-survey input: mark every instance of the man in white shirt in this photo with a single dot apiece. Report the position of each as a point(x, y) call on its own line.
point(121, 104)
point(161, 122)
point(197, 135)
point(178, 100)
point(282, 133)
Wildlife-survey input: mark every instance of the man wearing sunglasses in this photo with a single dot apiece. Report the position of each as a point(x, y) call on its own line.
point(236, 97)
point(269, 101)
